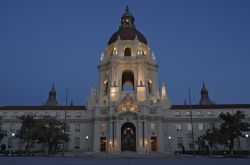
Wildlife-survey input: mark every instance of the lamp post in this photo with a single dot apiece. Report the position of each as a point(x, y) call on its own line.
point(12, 143)
point(87, 144)
point(110, 143)
point(248, 144)
point(146, 145)
point(169, 144)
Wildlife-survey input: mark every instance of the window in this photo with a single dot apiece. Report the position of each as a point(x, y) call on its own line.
point(210, 113)
point(68, 114)
point(177, 113)
point(188, 113)
point(178, 127)
point(189, 127)
point(77, 127)
point(201, 127)
point(198, 113)
point(77, 142)
point(106, 86)
point(150, 86)
point(103, 128)
point(152, 125)
point(179, 142)
point(78, 114)
point(12, 127)
point(57, 114)
point(127, 52)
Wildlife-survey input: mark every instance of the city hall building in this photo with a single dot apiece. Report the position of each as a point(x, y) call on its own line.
point(128, 111)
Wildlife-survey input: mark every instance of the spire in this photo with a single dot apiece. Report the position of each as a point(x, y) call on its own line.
point(127, 9)
point(203, 87)
point(163, 91)
point(205, 100)
point(51, 101)
point(127, 19)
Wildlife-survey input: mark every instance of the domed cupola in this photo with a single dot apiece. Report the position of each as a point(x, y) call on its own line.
point(127, 29)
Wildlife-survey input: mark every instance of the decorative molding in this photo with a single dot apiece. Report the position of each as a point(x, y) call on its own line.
point(128, 105)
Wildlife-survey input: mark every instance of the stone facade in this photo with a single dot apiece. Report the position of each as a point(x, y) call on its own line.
point(127, 112)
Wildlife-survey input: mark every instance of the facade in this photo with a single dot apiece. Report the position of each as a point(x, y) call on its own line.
point(127, 112)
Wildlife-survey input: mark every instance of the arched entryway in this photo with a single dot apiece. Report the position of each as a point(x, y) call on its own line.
point(127, 80)
point(128, 137)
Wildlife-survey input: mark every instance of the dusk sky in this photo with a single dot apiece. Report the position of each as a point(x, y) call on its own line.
point(48, 41)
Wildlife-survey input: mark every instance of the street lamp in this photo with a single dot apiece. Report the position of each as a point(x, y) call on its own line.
point(12, 143)
point(146, 145)
point(87, 138)
point(110, 147)
point(248, 145)
point(169, 144)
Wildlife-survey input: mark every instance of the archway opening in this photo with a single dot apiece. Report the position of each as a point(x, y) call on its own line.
point(128, 137)
point(127, 52)
point(127, 80)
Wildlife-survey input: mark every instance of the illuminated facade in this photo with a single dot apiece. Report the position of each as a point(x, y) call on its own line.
point(127, 112)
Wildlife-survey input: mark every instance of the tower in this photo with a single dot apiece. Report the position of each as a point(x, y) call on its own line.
point(51, 101)
point(127, 94)
point(128, 65)
point(205, 100)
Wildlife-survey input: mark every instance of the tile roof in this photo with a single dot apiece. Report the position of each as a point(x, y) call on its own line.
point(214, 106)
point(42, 108)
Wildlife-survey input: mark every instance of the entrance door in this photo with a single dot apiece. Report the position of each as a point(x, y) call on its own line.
point(103, 144)
point(128, 137)
point(154, 143)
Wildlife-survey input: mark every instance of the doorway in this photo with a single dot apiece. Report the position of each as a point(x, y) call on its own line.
point(103, 144)
point(128, 137)
point(153, 143)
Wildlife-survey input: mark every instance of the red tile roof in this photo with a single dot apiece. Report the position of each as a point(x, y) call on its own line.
point(127, 34)
point(214, 106)
point(42, 108)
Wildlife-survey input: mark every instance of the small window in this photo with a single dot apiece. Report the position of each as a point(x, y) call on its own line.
point(57, 114)
point(180, 142)
point(153, 126)
point(201, 127)
point(188, 113)
point(177, 113)
point(77, 127)
point(210, 113)
point(77, 142)
point(198, 113)
point(178, 127)
point(127, 52)
point(78, 114)
point(68, 114)
point(189, 127)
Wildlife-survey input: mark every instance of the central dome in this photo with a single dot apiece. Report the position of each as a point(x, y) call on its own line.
point(127, 30)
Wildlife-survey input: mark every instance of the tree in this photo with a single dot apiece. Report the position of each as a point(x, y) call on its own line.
point(201, 143)
point(51, 133)
point(212, 137)
point(2, 132)
point(28, 130)
point(231, 128)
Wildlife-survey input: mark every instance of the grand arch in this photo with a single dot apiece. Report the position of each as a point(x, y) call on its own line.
point(128, 137)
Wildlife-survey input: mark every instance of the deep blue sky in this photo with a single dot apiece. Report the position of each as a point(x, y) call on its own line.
point(42, 42)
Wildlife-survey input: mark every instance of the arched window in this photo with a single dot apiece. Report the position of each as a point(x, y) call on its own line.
point(127, 52)
point(106, 87)
point(127, 80)
point(150, 86)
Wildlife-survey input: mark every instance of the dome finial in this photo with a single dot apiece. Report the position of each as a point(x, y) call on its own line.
point(127, 9)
